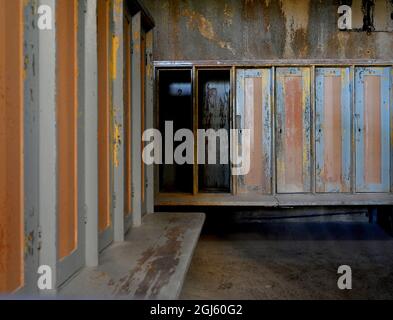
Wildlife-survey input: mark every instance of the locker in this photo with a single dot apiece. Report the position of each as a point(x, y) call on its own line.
point(105, 177)
point(293, 130)
point(70, 224)
point(372, 127)
point(333, 129)
point(253, 112)
point(11, 147)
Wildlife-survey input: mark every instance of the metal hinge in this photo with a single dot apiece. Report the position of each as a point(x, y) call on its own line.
point(39, 233)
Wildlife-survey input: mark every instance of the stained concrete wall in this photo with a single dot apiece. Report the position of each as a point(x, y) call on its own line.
point(267, 29)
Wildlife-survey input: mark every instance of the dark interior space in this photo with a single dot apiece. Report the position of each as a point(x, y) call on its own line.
point(214, 113)
point(175, 104)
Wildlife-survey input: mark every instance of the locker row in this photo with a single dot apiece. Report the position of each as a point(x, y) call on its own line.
point(313, 129)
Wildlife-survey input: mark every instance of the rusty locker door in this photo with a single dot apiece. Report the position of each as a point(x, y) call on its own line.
point(70, 216)
point(293, 130)
point(372, 127)
point(253, 112)
point(105, 162)
point(333, 129)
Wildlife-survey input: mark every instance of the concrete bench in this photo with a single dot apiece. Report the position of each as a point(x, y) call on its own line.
point(151, 264)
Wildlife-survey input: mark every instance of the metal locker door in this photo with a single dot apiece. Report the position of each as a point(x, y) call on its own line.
point(70, 213)
point(333, 130)
point(105, 128)
point(253, 112)
point(12, 194)
point(372, 125)
point(293, 129)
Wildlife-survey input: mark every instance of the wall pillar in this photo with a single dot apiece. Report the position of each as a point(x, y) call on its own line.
point(90, 112)
point(48, 147)
point(136, 120)
point(117, 7)
point(149, 117)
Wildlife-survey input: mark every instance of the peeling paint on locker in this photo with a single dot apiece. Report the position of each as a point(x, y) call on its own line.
point(11, 146)
point(253, 98)
point(333, 130)
point(293, 129)
point(372, 129)
point(67, 110)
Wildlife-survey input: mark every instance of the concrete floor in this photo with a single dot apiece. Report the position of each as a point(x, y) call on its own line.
point(291, 260)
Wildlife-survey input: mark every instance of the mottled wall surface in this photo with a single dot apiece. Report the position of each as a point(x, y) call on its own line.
point(266, 29)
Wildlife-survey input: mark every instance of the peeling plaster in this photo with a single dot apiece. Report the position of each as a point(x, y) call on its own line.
point(296, 23)
point(205, 28)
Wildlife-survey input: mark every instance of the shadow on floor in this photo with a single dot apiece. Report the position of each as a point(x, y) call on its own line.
point(290, 259)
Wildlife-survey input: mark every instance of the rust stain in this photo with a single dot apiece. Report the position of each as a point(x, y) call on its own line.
point(296, 14)
point(205, 28)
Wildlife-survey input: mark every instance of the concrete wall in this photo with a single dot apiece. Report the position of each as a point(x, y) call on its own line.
point(266, 29)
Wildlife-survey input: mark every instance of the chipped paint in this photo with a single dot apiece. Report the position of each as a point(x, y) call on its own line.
point(118, 7)
point(205, 28)
point(114, 56)
point(263, 29)
point(143, 281)
point(296, 14)
point(116, 143)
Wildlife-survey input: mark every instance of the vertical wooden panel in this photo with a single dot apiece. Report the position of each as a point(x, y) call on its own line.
point(293, 130)
point(104, 217)
point(67, 109)
point(127, 118)
point(373, 129)
point(11, 145)
point(333, 130)
point(254, 113)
